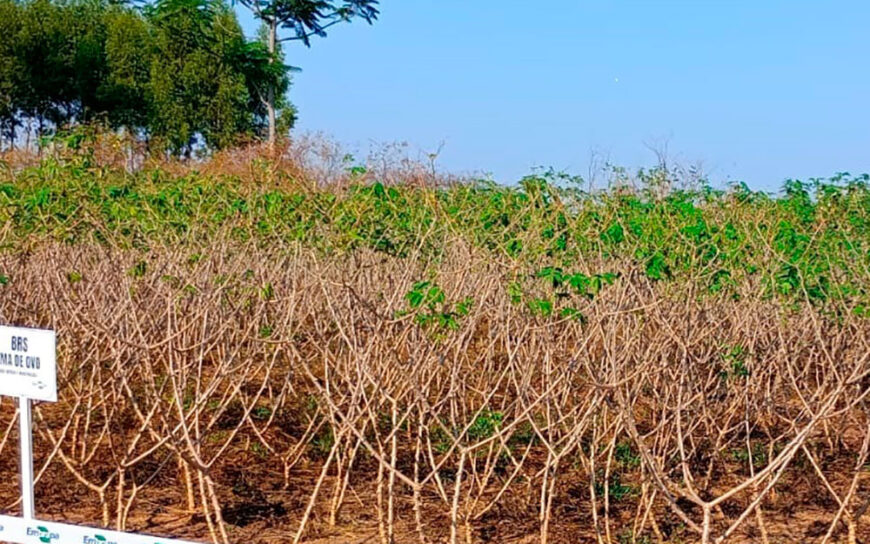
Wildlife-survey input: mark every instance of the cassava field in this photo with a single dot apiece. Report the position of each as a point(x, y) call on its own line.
point(254, 351)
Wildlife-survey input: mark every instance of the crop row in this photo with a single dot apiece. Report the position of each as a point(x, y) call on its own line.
point(812, 243)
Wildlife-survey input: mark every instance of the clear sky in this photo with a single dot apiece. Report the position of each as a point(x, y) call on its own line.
point(757, 91)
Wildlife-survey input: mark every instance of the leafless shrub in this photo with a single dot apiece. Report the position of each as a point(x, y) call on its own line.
point(183, 366)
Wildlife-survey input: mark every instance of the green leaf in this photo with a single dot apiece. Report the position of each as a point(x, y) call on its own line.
point(434, 296)
point(614, 234)
point(580, 283)
point(138, 270)
point(572, 313)
point(417, 295)
point(555, 275)
point(515, 292)
point(464, 306)
point(541, 307)
point(656, 267)
point(415, 298)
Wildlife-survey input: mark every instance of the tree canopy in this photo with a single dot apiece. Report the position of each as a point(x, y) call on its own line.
point(177, 73)
point(301, 20)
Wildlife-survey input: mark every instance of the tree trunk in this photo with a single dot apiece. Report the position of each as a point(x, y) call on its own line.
point(272, 45)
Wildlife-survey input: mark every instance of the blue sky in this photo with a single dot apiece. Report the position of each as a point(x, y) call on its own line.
point(757, 91)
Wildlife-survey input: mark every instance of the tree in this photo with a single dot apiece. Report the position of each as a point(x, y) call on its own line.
point(46, 63)
point(10, 88)
point(178, 72)
point(129, 53)
point(262, 74)
point(197, 87)
point(57, 56)
point(303, 19)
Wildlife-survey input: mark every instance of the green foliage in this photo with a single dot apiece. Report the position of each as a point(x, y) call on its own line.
point(541, 307)
point(515, 292)
point(627, 536)
point(305, 19)
point(431, 308)
point(790, 250)
point(441, 439)
point(138, 270)
point(322, 443)
point(561, 286)
point(615, 488)
point(735, 363)
point(626, 456)
point(302, 20)
point(425, 293)
point(485, 425)
point(656, 267)
point(259, 450)
point(565, 283)
point(757, 454)
point(177, 73)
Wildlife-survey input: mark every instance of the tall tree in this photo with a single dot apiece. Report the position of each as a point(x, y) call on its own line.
point(180, 72)
point(262, 74)
point(302, 20)
point(46, 63)
point(129, 53)
point(10, 88)
point(194, 88)
point(58, 60)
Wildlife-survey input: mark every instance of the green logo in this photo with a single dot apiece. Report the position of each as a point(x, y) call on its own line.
point(42, 534)
point(97, 539)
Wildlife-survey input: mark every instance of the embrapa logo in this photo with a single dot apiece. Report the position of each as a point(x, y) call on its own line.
point(43, 534)
point(97, 539)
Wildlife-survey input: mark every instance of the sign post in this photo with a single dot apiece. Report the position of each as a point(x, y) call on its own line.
point(25, 431)
point(28, 370)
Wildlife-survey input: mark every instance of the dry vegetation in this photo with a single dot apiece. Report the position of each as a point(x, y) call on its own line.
point(241, 384)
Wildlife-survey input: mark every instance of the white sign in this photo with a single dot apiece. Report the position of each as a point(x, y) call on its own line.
point(25, 531)
point(28, 370)
point(28, 365)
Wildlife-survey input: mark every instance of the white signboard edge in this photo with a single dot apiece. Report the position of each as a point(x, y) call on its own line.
point(33, 531)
